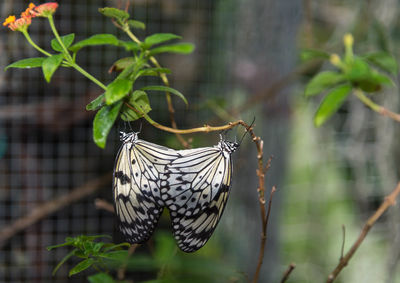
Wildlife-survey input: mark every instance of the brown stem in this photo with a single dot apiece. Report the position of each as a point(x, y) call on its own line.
point(287, 272)
point(389, 201)
point(122, 270)
point(264, 220)
point(43, 210)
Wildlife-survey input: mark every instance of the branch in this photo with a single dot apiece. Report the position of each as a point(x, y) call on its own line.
point(47, 208)
point(287, 272)
point(389, 201)
point(105, 205)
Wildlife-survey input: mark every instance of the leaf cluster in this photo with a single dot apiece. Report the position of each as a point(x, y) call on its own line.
point(121, 97)
point(362, 72)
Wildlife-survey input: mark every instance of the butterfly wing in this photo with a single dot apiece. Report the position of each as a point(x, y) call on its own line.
point(193, 230)
point(136, 187)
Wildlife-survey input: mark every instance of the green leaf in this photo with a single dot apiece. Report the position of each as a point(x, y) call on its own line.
point(115, 13)
point(50, 65)
point(309, 54)
point(122, 64)
point(98, 39)
point(331, 103)
point(70, 254)
point(110, 246)
point(158, 38)
point(66, 40)
point(153, 72)
point(96, 103)
point(358, 70)
point(141, 100)
point(166, 89)
point(116, 255)
point(27, 63)
point(101, 278)
point(383, 60)
point(322, 81)
point(83, 265)
point(130, 45)
point(103, 122)
point(136, 24)
point(117, 90)
point(182, 48)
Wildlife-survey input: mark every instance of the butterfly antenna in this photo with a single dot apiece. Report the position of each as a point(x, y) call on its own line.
point(140, 128)
point(247, 130)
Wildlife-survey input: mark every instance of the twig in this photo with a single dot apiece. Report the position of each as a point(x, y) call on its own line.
point(264, 218)
point(122, 270)
point(376, 107)
point(105, 205)
point(389, 201)
point(287, 272)
point(52, 206)
point(343, 242)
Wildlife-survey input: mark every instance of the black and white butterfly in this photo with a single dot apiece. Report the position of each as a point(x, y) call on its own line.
point(136, 186)
point(193, 184)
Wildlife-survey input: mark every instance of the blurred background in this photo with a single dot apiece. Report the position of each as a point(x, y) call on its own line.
point(247, 64)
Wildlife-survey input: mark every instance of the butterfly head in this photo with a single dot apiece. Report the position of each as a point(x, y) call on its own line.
point(128, 137)
point(228, 146)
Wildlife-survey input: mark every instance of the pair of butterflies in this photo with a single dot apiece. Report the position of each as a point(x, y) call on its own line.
point(193, 184)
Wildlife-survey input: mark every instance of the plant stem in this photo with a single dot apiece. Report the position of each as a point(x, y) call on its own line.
point(29, 39)
point(89, 76)
point(376, 107)
point(53, 28)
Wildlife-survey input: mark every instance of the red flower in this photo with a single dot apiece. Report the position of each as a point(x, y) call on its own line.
point(44, 10)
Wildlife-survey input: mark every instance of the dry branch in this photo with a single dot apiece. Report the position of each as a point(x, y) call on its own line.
point(52, 206)
point(389, 201)
point(287, 272)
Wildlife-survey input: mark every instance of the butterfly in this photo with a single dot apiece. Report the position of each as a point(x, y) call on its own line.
point(193, 184)
point(196, 191)
point(136, 186)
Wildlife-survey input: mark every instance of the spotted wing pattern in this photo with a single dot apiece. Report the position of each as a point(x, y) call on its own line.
point(196, 192)
point(193, 231)
point(137, 178)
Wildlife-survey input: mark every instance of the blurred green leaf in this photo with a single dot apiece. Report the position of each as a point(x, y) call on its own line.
point(101, 278)
point(103, 122)
point(182, 48)
point(331, 103)
point(140, 99)
point(122, 64)
point(66, 40)
point(153, 72)
point(165, 247)
point(383, 60)
point(50, 65)
point(117, 90)
point(166, 89)
point(27, 63)
point(115, 13)
point(358, 70)
point(309, 54)
point(130, 45)
point(70, 254)
point(158, 38)
point(98, 39)
point(136, 24)
point(83, 265)
point(323, 81)
point(96, 103)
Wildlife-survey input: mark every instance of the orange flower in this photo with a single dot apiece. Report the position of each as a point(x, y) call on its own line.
point(9, 20)
point(27, 12)
point(21, 24)
point(44, 10)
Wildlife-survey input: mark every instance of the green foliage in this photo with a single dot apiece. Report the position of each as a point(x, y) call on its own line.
point(121, 97)
point(50, 65)
point(28, 63)
point(103, 122)
point(353, 72)
point(93, 253)
point(66, 40)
